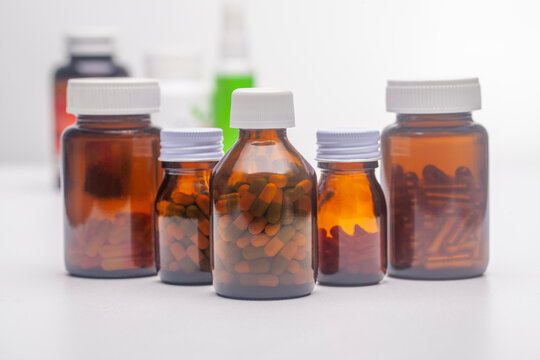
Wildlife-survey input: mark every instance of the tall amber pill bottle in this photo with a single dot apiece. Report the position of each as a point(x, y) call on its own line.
point(435, 174)
point(263, 204)
point(110, 177)
point(91, 54)
point(351, 210)
point(183, 204)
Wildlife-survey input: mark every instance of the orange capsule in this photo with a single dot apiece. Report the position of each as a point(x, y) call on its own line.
point(182, 198)
point(242, 189)
point(294, 267)
point(274, 210)
point(193, 253)
point(257, 225)
point(123, 263)
point(204, 226)
point(279, 180)
point(305, 185)
point(112, 251)
point(268, 280)
point(177, 250)
point(300, 239)
point(203, 202)
point(261, 204)
point(243, 241)
point(241, 267)
point(260, 240)
point(272, 229)
point(161, 206)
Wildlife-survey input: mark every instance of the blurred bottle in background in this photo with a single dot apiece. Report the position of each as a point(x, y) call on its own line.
point(90, 55)
point(234, 69)
point(185, 96)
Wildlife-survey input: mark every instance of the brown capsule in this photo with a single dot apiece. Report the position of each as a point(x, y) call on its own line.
point(261, 204)
point(193, 212)
point(274, 210)
point(182, 198)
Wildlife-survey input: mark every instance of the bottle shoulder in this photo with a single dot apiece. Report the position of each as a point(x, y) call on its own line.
point(462, 129)
point(272, 157)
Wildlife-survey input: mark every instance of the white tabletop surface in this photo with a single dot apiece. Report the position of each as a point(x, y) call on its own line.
point(46, 314)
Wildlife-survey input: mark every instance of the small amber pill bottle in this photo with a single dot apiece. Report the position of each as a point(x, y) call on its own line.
point(435, 175)
point(110, 176)
point(183, 204)
point(263, 197)
point(351, 209)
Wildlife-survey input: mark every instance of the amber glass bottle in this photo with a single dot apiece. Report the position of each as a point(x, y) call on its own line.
point(110, 177)
point(351, 209)
point(263, 204)
point(436, 178)
point(183, 204)
point(90, 55)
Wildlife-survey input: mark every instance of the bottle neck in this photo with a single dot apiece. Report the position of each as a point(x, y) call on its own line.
point(114, 121)
point(367, 167)
point(262, 134)
point(78, 58)
point(186, 167)
point(454, 119)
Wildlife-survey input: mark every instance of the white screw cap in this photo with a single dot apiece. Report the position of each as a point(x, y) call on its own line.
point(262, 108)
point(112, 96)
point(191, 144)
point(433, 96)
point(347, 145)
point(90, 42)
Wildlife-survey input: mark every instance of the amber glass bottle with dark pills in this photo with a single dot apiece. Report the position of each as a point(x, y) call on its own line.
point(435, 174)
point(110, 176)
point(91, 54)
point(263, 204)
point(351, 212)
point(183, 204)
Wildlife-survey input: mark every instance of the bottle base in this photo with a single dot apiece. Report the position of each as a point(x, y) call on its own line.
point(444, 274)
point(194, 279)
point(349, 280)
point(238, 292)
point(99, 273)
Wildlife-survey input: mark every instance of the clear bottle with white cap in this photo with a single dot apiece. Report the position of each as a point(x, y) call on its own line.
point(351, 209)
point(435, 174)
point(90, 55)
point(183, 204)
point(263, 197)
point(185, 97)
point(110, 177)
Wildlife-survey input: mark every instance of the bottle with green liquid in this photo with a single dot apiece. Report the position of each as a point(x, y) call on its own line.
point(234, 70)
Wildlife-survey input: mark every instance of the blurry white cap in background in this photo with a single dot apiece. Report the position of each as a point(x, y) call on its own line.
point(171, 62)
point(90, 42)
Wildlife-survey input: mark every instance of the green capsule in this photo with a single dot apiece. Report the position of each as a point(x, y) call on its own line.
point(252, 252)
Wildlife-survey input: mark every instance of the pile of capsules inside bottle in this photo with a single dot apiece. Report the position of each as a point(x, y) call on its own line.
point(255, 222)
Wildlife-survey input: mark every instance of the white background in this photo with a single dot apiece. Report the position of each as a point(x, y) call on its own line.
point(335, 56)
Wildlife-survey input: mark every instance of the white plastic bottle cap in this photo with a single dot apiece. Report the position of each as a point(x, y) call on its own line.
point(433, 96)
point(90, 42)
point(168, 63)
point(262, 108)
point(347, 145)
point(112, 96)
point(195, 144)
